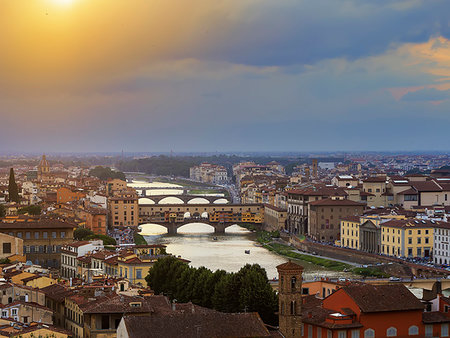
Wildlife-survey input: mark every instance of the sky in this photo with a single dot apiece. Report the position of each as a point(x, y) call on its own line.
point(241, 75)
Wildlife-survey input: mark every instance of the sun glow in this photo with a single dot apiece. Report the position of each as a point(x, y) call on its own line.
point(63, 2)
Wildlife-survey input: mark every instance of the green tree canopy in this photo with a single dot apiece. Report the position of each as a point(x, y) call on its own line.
point(105, 173)
point(246, 290)
point(34, 210)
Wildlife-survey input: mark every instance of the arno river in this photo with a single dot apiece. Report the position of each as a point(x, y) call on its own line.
point(198, 243)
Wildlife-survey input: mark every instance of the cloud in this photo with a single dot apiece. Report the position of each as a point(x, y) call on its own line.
point(427, 94)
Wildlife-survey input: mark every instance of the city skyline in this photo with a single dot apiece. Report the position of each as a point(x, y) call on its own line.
point(152, 76)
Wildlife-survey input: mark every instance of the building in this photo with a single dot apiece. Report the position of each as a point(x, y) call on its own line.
point(27, 312)
point(275, 218)
point(407, 237)
point(43, 168)
point(290, 299)
point(66, 195)
point(345, 181)
point(325, 215)
point(209, 173)
point(70, 254)
point(42, 237)
point(441, 243)
point(115, 185)
point(364, 310)
point(376, 186)
point(96, 220)
point(361, 233)
point(11, 247)
point(124, 209)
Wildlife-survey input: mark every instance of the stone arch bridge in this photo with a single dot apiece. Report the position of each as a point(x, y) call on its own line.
point(152, 213)
point(186, 198)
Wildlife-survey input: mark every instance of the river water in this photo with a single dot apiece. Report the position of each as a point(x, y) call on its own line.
point(196, 242)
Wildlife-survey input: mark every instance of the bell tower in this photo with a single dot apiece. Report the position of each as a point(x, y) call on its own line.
point(290, 299)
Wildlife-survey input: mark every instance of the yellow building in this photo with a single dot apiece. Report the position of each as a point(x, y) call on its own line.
point(249, 217)
point(33, 280)
point(407, 237)
point(350, 232)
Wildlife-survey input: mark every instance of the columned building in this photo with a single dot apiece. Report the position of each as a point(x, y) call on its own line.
point(370, 237)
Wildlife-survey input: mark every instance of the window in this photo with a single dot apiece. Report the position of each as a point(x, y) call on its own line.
point(14, 312)
point(138, 273)
point(319, 332)
point(4, 314)
point(409, 240)
point(53, 234)
point(305, 291)
point(391, 332)
point(105, 322)
point(355, 333)
point(293, 283)
point(28, 235)
point(413, 330)
point(310, 331)
point(369, 333)
point(409, 232)
point(63, 234)
point(6, 248)
point(293, 307)
point(428, 330)
point(45, 234)
point(444, 330)
point(419, 240)
point(36, 235)
point(19, 234)
point(410, 252)
point(342, 334)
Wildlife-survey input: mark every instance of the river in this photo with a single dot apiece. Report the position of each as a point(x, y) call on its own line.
point(196, 243)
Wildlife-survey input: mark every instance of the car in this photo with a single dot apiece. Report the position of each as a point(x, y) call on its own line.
point(394, 279)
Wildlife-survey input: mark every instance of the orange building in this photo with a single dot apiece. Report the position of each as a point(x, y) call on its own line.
point(65, 195)
point(364, 310)
point(96, 220)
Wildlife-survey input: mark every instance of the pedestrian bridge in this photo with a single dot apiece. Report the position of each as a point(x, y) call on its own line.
point(172, 228)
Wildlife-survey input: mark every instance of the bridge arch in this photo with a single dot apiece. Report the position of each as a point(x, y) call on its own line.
point(221, 201)
point(146, 200)
point(152, 229)
point(198, 200)
point(204, 214)
point(171, 200)
point(199, 227)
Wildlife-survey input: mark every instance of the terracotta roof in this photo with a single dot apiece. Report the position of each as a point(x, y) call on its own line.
point(331, 202)
point(427, 186)
point(194, 324)
point(31, 223)
point(56, 292)
point(434, 317)
point(382, 298)
point(375, 179)
point(416, 223)
point(354, 219)
point(114, 303)
point(289, 266)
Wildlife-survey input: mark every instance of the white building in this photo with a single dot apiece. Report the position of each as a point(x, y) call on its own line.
point(441, 244)
point(70, 253)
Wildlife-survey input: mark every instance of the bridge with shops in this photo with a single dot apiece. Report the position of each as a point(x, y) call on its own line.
point(182, 214)
point(186, 198)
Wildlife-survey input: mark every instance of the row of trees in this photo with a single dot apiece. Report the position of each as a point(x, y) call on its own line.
point(105, 173)
point(84, 234)
point(247, 290)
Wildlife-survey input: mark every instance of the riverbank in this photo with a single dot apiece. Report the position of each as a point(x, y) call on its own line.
point(267, 240)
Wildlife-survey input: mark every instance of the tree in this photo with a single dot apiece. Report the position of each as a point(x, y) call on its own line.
point(34, 210)
point(104, 173)
point(13, 190)
point(81, 233)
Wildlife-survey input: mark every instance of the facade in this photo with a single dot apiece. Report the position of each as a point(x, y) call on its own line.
point(275, 218)
point(27, 312)
point(376, 186)
point(66, 195)
point(96, 220)
point(124, 209)
point(70, 254)
point(42, 237)
point(350, 232)
point(43, 168)
point(115, 185)
point(10, 246)
point(364, 310)
point(209, 173)
point(325, 215)
point(441, 243)
point(407, 237)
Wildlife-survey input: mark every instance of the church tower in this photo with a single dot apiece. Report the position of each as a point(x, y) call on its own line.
point(290, 299)
point(43, 168)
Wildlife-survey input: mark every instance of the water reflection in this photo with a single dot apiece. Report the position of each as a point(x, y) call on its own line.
point(198, 243)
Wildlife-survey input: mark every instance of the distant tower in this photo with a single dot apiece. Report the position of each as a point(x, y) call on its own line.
point(290, 299)
point(307, 173)
point(314, 168)
point(43, 168)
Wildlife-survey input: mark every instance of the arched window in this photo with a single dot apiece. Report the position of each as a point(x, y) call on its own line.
point(293, 307)
point(293, 283)
point(282, 308)
point(9, 300)
point(391, 332)
point(369, 333)
point(413, 330)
